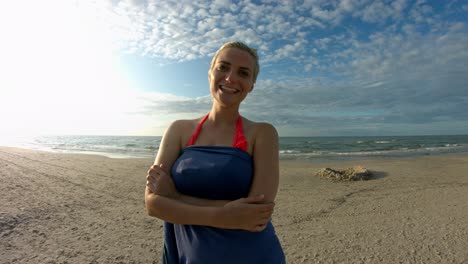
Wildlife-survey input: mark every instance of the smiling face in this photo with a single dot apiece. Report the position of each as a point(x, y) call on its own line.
point(231, 76)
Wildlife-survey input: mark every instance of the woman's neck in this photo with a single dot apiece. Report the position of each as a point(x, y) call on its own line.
point(223, 116)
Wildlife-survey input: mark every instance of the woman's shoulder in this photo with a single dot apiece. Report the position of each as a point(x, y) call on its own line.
point(185, 123)
point(183, 128)
point(259, 129)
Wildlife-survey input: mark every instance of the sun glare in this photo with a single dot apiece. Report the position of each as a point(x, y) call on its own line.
point(60, 73)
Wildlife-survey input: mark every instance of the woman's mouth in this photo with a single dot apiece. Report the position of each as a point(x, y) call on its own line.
point(228, 90)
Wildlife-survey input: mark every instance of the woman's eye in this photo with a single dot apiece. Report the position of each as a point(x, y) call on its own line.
point(222, 67)
point(244, 73)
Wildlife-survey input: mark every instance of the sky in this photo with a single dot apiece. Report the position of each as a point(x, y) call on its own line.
point(327, 67)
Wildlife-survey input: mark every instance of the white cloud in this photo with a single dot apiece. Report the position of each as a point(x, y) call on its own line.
point(187, 30)
point(380, 11)
point(406, 65)
point(160, 29)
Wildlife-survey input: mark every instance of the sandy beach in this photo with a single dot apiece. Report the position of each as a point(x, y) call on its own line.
point(71, 208)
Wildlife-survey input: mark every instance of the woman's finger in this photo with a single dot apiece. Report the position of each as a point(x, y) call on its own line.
point(152, 187)
point(265, 208)
point(150, 177)
point(155, 172)
point(155, 167)
point(163, 168)
point(257, 228)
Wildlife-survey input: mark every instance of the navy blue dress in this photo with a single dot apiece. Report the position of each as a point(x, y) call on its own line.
point(219, 173)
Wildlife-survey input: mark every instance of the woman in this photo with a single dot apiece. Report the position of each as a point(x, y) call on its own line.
point(215, 178)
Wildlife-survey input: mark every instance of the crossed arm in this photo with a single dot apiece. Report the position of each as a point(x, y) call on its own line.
point(251, 213)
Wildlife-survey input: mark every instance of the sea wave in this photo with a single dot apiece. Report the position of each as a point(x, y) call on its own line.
point(301, 148)
point(397, 153)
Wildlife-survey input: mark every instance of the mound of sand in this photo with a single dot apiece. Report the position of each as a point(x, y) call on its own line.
point(356, 173)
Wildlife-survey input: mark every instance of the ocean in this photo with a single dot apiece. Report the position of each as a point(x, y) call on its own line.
point(291, 148)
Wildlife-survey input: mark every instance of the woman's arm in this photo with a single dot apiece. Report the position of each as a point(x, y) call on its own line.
point(169, 150)
point(160, 182)
point(245, 213)
point(266, 160)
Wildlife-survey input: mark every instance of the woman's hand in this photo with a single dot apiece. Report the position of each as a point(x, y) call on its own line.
point(160, 182)
point(247, 213)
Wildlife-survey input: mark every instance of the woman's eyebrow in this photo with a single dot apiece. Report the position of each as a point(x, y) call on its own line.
point(228, 63)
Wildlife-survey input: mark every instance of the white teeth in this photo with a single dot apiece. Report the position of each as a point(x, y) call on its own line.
point(229, 89)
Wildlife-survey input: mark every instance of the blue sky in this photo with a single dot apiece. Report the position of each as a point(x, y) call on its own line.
point(328, 68)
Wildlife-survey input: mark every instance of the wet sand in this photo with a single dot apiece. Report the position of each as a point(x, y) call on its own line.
point(70, 208)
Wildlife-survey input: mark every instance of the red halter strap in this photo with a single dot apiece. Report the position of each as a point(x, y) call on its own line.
point(240, 141)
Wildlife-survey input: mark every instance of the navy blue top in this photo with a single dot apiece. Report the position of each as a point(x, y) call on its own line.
point(218, 173)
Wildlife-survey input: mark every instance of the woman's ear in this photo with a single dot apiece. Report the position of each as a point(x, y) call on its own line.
point(251, 88)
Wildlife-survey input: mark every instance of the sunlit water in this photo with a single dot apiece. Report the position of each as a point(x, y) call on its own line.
point(291, 148)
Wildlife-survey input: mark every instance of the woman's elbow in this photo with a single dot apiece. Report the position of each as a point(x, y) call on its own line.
point(151, 204)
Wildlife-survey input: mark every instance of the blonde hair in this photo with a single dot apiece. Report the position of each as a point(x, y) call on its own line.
point(241, 46)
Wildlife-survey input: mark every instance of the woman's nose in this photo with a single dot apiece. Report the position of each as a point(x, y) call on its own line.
point(230, 76)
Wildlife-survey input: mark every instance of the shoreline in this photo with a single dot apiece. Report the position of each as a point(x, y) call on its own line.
point(313, 149)
point(82, 208)
point(311, 158)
